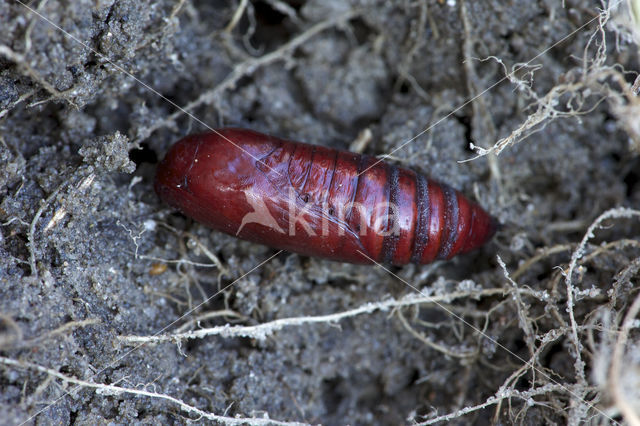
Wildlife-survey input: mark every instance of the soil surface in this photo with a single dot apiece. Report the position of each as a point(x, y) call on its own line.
point(115, 308)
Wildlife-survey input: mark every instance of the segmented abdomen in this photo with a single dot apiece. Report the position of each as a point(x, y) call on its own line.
point(399, 215)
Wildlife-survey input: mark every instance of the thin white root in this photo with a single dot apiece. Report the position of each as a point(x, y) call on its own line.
point(500, 396)
point(575, 257)
point(262, 331)
point(247, 68)
point(630, 412)
point(106, 390)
